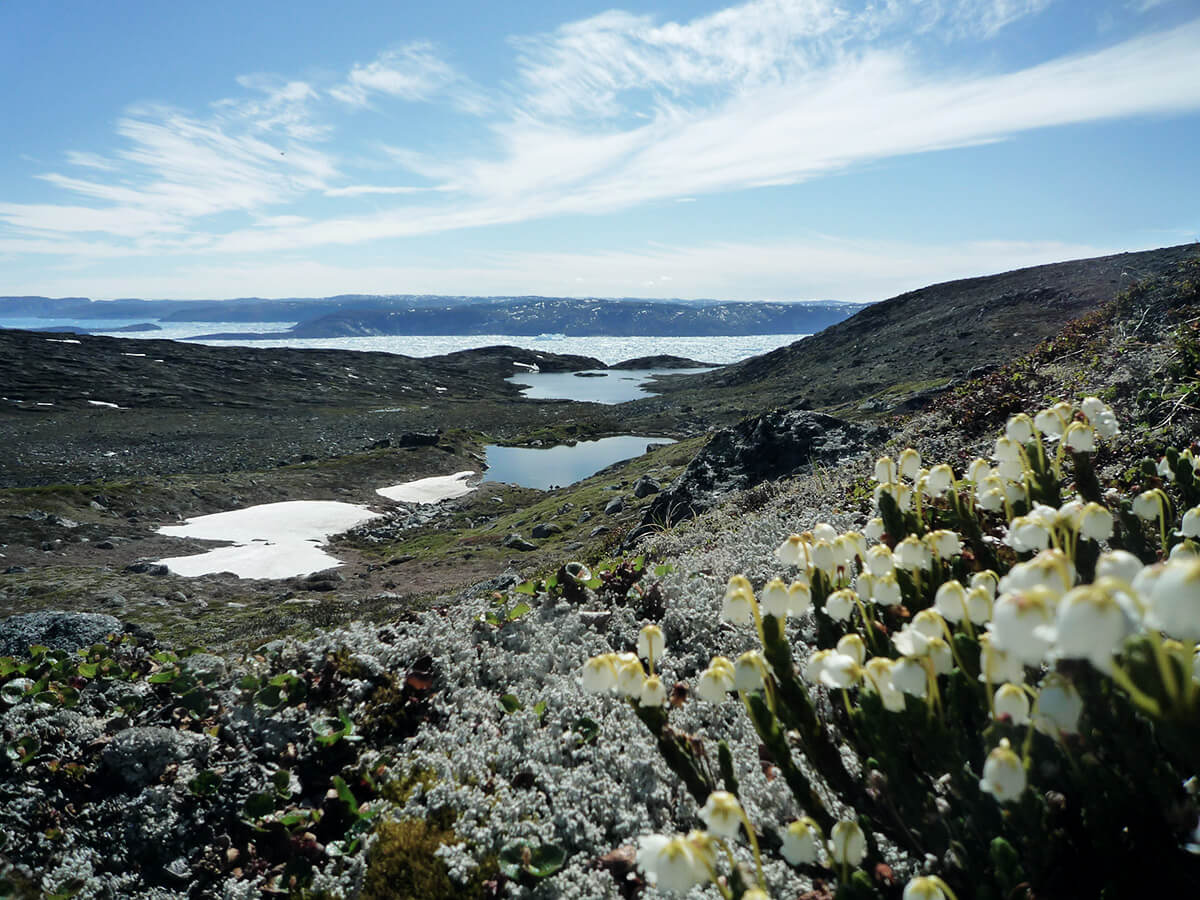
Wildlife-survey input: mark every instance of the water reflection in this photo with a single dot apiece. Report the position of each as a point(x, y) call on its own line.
point(594, 385)
point(558, 466)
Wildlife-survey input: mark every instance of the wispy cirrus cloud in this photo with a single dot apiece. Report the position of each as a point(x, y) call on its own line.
point(603, 114)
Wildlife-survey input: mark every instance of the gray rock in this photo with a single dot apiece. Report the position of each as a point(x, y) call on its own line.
point(645, 486)
point(765, 448)
point(145, 567)
point(54, 629)
point(116, 600)
point(105, 545)
point(515, 542)
point(584, 516)
point(177, 596)
point(205, 666)
point(545, 530)
point(139, 756)
point(614, 506)
point(598, 530)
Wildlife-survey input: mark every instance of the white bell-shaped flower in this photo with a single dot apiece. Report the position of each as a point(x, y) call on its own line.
point(722, 814)
point(651, 643)
point(1059, 707)
point(853, 646)
point(939, 480)
point(874, 529)
point(840, 604)
point(673, 864)
point(840, 672)
point(886, 590)
point(1003, 774)
point(910, 464)
point(1119, 564)
point(823, 531)
point(951, 600)
point(1011, 702)
point(653, 693)
point(1016, 618)
point(979, 605)
point(909, 676)
point(912, 554)
point(738, 603)
point(880, 560)
point(997, 666)
point(944, 543)
point(886, 471)
point(716, 681)
point(1091, 624)
point(1080, 438)
point(847, 843)
point(801, 842)
point(1095, 522)
point(1175, 600)
point(1019, 429)
point(749, 671)
point(1191, 523)
point(794, 552)
point(600, 674)
point(877, 676)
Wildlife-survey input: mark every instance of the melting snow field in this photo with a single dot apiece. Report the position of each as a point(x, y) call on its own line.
point(272, 540)
point(430, 490)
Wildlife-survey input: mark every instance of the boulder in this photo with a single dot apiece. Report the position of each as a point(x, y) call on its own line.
point(645, 486)
point(545, 530)
point(763, 448)
point(614, 506)
point(54, 629)
point(515, 542)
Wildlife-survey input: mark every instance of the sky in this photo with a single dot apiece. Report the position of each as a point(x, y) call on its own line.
point(766, 150)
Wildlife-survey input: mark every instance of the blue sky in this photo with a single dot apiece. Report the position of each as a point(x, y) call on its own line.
point(774, 149)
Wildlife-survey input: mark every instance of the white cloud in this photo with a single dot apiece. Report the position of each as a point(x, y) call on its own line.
point(604, 114)
point(90, 161)
point(412, 72)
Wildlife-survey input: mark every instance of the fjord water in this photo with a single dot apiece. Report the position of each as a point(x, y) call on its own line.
point(544, 468)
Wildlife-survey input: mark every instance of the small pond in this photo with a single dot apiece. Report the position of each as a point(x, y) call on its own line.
point(593, 385)
point(540, 468)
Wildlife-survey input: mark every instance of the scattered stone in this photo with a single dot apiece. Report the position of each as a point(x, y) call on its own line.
point(205, 666)
point(178, 596)
point(598, 530)
point(584, 516)
point(545, 530)
point(515, 542)
point(597, 619)
point(55, 629)
point(144, 567)
point(614, 506)
point(417, 438)
point(14, 570)
point(115, 601)
point(139, 756)
point(105, 545)
point(645, 486)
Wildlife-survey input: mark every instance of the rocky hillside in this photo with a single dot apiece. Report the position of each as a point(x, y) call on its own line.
point(876, 360)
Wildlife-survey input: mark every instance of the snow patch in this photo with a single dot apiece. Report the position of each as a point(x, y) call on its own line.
point(430, 490)
point(273, 540)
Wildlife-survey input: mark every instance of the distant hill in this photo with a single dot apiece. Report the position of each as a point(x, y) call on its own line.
point(357, 314)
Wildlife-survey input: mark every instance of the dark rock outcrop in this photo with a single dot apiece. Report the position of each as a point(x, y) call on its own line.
point(764, 448)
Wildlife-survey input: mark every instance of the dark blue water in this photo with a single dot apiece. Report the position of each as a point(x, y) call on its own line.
point(559, 466)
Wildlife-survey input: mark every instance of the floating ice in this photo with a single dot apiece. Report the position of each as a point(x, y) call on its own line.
point(430, 490)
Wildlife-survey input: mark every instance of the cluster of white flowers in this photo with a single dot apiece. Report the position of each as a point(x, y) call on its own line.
point(1037, 612)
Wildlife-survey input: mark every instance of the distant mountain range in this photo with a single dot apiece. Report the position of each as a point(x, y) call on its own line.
point(354, 315)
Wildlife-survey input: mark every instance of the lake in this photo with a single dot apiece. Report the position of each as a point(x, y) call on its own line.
point(593, 386)
point(543, 468)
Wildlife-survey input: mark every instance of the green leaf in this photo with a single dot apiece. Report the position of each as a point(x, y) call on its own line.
point(593, 583)
point(259, 805)
point(282, 780)
point(8, 665)
point(205, 784)
point(663, 569)
point(89, 670)
point(162, 677)
point(509, 703)
point(249, 683)
point(519, 610)
point(539, 710)
point(344, 792)
point(492, 619)
point(589, 730)
point(525, 587)
point(195, 701)
point(546, 860)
